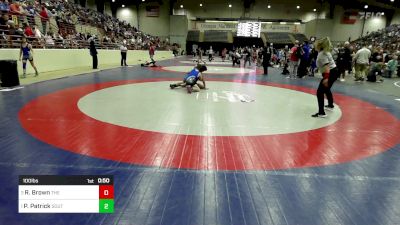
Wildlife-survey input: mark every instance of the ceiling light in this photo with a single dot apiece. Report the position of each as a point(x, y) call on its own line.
point(314, 10)
point(269, 6)
point(230, 6)
point(298, 7)
point(181, 6)
point(123, 6)
point(365, 6)
point(383, 13)
point(201, 5)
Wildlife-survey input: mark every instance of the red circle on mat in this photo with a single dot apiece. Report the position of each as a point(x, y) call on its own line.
point(363, 130)
point(165, 69)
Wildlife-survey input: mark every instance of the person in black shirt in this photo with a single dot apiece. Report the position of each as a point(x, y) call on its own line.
point(247, 56)
point(93, 53)
point(377, 60)
point(4, 20)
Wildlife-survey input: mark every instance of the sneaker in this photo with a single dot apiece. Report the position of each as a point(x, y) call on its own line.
point(319, 115)
point(330, 108)
point(172, 86)
point(342, 80)
point(288, 77)
point(189, 89)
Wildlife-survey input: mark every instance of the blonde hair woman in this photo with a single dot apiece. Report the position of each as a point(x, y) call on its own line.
point(327, 66)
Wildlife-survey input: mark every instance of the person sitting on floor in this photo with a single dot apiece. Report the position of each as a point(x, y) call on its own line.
point(149, 64)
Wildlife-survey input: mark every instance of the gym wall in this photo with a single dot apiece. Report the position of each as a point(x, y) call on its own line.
point(178, 30)
point(396, 18)
point(60, 59)
point(339, 32)
point(128, 14)
point(158, 26)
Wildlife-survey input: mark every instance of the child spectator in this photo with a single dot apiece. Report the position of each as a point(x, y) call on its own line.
point(391, 68)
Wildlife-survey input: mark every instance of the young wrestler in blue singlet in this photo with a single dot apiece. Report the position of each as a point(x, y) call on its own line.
point(26, 52)
point(191, 79)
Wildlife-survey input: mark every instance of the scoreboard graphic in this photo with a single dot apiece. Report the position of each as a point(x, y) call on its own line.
point(65, 194)
point(249, 29)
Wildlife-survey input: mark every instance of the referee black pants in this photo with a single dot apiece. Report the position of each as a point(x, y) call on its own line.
point(123, 59)
point(322, 90)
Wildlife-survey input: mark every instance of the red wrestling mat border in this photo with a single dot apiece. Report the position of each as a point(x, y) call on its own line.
point(364, 130)
point(164, 69)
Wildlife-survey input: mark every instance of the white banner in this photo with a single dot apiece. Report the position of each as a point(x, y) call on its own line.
point(290, 28)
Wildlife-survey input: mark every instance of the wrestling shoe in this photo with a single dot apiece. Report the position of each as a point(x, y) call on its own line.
point(172, 86)
point(319, 115)
point(330, 108)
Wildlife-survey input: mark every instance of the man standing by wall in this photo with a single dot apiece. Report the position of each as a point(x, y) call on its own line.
point(361, 60)
point(294, 60)
point(305, 60)
point(93, 53)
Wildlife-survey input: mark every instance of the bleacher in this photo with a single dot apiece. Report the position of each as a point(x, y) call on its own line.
point(66, 31)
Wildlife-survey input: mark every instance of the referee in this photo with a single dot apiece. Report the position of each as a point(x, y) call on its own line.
point(124, 50)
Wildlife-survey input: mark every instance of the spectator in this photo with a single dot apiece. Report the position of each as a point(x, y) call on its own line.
point(49, 41)
point(44, 18)
point(391, 67)
point(361, 60)
point(294, 60)
point(223, 54)
point(37, 32)
point(377, 61)
point(305, 60)
point(50, 32)
point(28, 30)
point(4, 20)
point(247, 56)
point(14, 9)
point(4, 6)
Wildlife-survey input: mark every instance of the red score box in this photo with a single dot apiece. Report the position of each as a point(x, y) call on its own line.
point(106, 192)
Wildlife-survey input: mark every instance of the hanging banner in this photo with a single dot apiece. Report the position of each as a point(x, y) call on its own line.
point(350, 17)
point(289, 28)
point(152, 11)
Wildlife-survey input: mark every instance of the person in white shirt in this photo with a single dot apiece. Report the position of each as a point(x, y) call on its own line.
point(210, 54)
point(327, 66)
point(361, 61)
point(124, 50)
